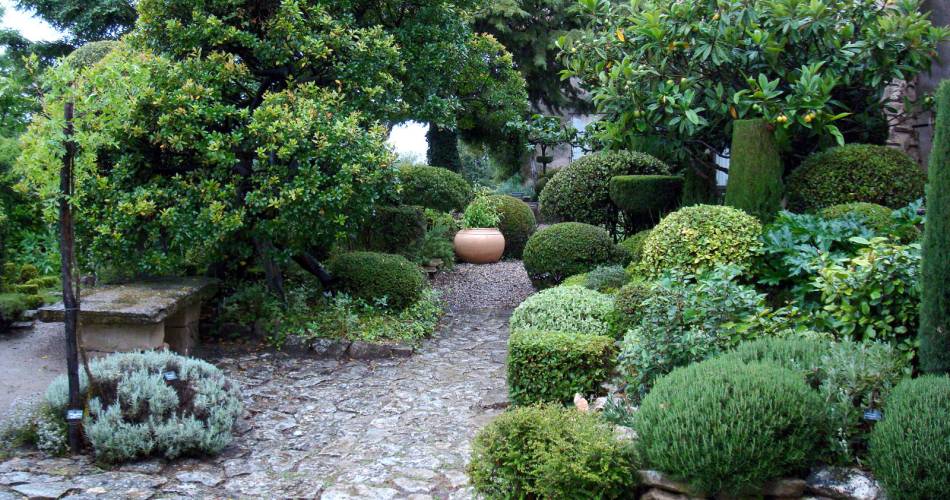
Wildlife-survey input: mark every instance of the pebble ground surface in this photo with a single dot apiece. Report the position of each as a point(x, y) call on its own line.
point(398, 428)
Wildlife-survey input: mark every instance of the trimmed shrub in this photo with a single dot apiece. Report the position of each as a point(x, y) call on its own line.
point(856, 172)
point(517, 224)
point(566, 249)
point(551, 367)
point(398, 230)
point(876, 217)
point(372, 276)
point(28, 272)
point(607, 279)
point(580, 192)
point(700, 237)
point(756, 421)
point(437, 244)
point(800, 355)
point(434, 187)
point(644, 199)
point(934, 331)
point(44, 282)
point(634, 245)
point(576, 280)
point(755, 170)
point(571, 309)
point(90, 53)
point(627, 306)
point(550, 452)
point(27, 289)
point(910, 448)
point(136, 412)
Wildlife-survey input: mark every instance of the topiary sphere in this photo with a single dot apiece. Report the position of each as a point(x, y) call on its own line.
point(91, 53)
point(910, 448)
point(556, 252)
point(135, 411)
point(580, 192)
point(634, 245)
point(434, 187)
point(876, 217)
point(700, 237)
point(852, 173)
point(371, 276)
point(627, 304)
point(517, 223)
point(729, 427)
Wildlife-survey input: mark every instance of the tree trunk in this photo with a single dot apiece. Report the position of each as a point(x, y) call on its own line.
point(755, 170)
point(272, 273)
point(443, 148)
point(312, 265)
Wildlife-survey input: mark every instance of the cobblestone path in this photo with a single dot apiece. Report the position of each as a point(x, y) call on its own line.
point(398, 428)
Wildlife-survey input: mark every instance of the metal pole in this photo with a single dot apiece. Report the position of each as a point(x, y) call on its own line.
point(70, 305)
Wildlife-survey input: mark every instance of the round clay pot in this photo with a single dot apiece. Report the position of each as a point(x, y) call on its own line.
point(480, 246)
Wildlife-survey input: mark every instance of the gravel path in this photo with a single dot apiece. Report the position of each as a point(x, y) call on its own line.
point(398, 428)
point(502, 285)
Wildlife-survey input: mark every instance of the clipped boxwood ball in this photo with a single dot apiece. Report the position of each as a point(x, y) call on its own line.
point(556, 252)
point(550, 452)
point(701, 237)
point(434, 187)
point(910, 448)
point(516, 222)
point(371, 276)
point(580, 192)
point(856, 172)
point(644, 199)
point(135, 412)
point(727, 426)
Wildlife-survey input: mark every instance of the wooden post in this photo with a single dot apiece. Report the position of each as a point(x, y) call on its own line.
point(70, 304)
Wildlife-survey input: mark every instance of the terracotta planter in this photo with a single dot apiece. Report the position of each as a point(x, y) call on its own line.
point(479, 246)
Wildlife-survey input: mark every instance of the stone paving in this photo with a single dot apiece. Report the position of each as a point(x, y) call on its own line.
point(396, 428)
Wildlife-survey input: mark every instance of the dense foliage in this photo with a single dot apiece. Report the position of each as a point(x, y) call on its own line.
point(935, 285)
point(548, 451)
point(909, 452)
point(570, 309)
point(634, 245)
point(133, 411)
point(701, 237)
point(645, 199)
point(378, 278)
point(856, 172)
point(877, 217)
point(755, 170)
point(683, 319)
point(679, 73)
point(556, 252)
point(434, 187)
point(580, 192)
point(552, 367)
point(399, 230)
point(516, 222)
point(757, 421)
point(607, 279)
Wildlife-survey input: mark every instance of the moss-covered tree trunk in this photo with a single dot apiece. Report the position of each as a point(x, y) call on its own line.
point(755, 170)
point(935, 299)
point(443, 148)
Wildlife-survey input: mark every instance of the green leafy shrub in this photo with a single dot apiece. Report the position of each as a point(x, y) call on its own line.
point(684, 319)
point(877, 217)
point(627, 306)
point(347, 318)
point(607, 279)
point(645, 199)
point(517, 223)
point(550, 452)
point(482, 212)
point(565, 309)
point(398, 230)
point(755, 170)
point(44, 282)
point(855, 173)
point(553, 366)
point(437, 244)
point(26, 289)
point(909, 453)
point(375, 276)
point(874, 295)
point(434, 187)
point(90, 53)
point(28, 272)
point(935, 303)
point(580, 192)
point(12, 306)
point(566, 249)
point(851, 377)
point(576, 280)
point(135, 412)
point(634, 246)
point(756, 421)
point(701, 237)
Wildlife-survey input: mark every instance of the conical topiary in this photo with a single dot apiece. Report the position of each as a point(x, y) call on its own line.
point(935, 290)
point(755, 170)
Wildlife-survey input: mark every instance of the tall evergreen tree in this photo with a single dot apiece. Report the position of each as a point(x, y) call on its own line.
point(935, 298)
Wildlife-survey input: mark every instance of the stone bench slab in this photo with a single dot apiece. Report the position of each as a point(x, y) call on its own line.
point(144, 303)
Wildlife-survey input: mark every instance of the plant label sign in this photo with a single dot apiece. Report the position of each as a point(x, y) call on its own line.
point(873, 415)
point(169, 376)
point(73, 414)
